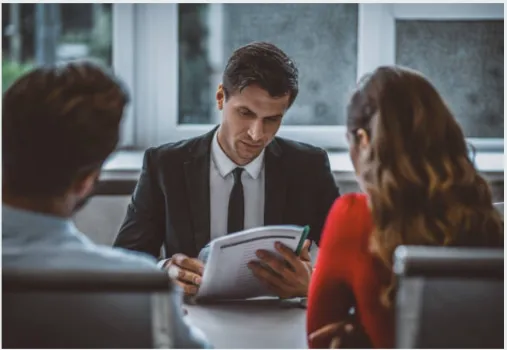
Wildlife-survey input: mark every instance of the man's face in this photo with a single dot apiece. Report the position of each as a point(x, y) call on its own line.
point(250, 120)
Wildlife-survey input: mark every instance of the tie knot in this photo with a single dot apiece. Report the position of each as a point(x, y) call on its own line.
point(237, 174)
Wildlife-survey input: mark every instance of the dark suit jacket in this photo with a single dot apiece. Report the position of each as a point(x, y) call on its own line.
point(171, 202)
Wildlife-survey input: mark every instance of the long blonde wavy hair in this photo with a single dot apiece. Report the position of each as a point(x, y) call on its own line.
point(422, 185)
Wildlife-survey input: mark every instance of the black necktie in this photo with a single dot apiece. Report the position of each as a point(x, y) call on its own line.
point(236, 215)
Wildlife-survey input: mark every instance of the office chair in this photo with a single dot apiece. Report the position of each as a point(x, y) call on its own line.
point(85, 309)
point(449, 297)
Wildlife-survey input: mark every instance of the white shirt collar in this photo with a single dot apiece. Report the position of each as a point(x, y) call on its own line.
point(225, 165)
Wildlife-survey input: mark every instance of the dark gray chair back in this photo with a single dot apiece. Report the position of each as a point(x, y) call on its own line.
point(449, 297)
point(85, 309)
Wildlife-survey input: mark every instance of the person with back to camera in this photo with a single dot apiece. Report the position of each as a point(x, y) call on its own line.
point(420, 188)
point(59, 125)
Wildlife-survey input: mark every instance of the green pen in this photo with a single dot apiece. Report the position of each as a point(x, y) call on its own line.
point(304, 236)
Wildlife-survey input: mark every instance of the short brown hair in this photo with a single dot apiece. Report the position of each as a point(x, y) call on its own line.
point(58, 123)
point(264, 64)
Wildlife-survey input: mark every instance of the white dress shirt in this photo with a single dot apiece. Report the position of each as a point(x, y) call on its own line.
point(221, 183)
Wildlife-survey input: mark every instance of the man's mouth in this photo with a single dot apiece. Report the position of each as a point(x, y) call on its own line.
point(251, 145)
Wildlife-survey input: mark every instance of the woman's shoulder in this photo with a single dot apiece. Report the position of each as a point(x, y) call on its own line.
point(349, 219)
point(349, 203)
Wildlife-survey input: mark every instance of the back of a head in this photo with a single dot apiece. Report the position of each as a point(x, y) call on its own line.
point(423, 187)
point(59, 123)
point(263, 64)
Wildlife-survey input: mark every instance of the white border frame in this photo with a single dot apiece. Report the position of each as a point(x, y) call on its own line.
point(155, 75)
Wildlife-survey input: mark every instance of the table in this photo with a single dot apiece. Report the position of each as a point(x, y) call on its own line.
point(258, 323)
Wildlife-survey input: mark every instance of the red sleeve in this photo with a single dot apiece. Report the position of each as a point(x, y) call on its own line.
point(330, 296)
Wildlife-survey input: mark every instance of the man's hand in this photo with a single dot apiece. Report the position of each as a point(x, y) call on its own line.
point(287, 278)
point(186, 272)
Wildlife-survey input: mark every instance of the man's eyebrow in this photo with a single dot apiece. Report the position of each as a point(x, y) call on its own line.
point(275, 116)
point(250, 111)
point(247, 109)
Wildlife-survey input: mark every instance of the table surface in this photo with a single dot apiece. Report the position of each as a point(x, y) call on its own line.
point(260, 323)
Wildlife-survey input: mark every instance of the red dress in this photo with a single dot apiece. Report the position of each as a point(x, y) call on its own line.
point(347, 274)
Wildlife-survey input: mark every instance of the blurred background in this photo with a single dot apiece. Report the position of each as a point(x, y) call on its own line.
point(179, 52)
point(35, 34)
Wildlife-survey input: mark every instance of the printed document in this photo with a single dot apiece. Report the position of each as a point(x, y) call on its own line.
point(226, 274)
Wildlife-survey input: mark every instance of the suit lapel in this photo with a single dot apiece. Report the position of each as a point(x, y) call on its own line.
point(197, 170)
point(275, 185)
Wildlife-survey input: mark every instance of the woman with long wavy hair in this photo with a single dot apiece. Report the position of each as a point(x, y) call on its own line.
point(420, 188)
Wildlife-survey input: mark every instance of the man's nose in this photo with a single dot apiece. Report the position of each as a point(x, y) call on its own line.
point(256, 130)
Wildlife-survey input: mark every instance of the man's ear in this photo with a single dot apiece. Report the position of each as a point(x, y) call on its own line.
point(220, 97)
point(84, 186)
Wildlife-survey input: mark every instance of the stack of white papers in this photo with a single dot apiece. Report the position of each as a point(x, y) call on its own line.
point(226, 274)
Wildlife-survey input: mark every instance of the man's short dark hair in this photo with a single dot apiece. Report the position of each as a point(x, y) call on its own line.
point(263, 64)
point(59, 123)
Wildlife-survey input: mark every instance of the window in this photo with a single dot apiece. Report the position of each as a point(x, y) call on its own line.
point(35, 34)
point(196, 69)
point(199, 38)
point(300, 30)
point(181, 51)
point(171, 56)
point(464, 60)
point(460, 48)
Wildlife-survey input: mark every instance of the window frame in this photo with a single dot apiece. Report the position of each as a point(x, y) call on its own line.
point(123, 64)
point(145, 56)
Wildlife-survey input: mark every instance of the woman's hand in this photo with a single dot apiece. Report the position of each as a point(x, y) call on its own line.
point(342, 335)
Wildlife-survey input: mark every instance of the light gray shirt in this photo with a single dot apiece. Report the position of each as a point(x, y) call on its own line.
point(28, 236)
point(31, 239)
point(221, 183)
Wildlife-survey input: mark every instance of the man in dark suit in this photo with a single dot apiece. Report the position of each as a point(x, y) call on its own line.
point(237, 176)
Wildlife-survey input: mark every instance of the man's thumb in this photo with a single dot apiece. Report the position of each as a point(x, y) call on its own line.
point(305, 251)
